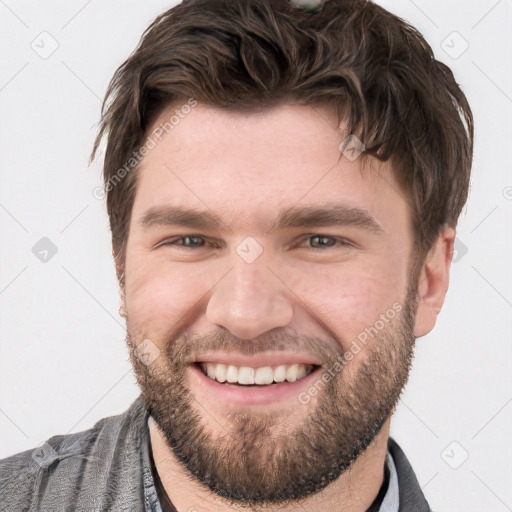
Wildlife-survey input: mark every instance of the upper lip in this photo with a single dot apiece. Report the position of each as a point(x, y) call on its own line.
point(257, 360)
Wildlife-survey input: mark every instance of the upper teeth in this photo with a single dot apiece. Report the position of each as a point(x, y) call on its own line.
point(263, 375)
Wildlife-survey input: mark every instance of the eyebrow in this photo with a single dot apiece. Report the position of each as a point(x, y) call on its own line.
point(328, 215)
point(293, 217)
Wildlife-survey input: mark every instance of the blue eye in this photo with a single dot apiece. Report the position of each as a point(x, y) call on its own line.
point(323, 242)
point(190, 240)
point(187, 242)
point(317, 242)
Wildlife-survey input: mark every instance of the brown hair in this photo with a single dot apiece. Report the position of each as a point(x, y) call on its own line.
point(352, 54)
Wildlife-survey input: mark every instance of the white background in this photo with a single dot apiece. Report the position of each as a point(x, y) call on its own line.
point(63, 361)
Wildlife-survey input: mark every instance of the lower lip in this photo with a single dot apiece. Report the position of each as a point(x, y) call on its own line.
point(231, 394)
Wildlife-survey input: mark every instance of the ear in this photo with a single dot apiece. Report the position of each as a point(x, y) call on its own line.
point(433, 282)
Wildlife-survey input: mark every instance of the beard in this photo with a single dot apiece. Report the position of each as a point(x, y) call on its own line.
point(264, 458)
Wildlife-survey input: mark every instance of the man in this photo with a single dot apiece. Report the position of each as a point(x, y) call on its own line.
point(283, 184)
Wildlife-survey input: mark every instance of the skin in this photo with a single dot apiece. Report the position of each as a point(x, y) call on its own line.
point(265, 162)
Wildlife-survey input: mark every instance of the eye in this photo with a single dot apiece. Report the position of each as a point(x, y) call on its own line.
point(323, 242)
point(185, 242)
point(317, 241)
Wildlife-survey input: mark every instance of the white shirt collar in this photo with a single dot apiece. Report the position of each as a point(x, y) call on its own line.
point(391, 500)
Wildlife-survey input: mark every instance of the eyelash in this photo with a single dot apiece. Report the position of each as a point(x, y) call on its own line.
point(173, 242)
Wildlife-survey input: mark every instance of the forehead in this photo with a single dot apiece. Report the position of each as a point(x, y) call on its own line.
point(253, 165)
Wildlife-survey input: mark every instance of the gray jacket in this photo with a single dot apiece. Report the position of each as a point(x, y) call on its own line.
point(108, 467)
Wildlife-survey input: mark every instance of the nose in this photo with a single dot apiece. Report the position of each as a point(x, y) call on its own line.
point(250, 300)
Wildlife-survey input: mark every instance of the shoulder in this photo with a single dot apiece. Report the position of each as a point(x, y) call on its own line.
point(51, 473)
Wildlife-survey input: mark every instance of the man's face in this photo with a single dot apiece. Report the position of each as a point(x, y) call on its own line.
point(258, 288)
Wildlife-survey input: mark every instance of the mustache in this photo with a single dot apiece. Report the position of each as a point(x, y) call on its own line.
point(186, 348)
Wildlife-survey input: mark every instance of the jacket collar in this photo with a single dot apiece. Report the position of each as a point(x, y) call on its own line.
point(411, 495)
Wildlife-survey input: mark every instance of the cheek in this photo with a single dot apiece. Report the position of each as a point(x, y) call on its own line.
point(352, 299)
point(159, 297)
point(371, 297)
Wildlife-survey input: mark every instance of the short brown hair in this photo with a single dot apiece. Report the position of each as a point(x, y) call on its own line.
point(244, 54)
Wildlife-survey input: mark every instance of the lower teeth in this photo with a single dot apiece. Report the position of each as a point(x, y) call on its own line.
point(250, 385)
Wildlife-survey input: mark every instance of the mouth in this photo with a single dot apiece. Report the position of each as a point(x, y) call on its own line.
point(228, 386)
point(260, 376)
point(222, 380)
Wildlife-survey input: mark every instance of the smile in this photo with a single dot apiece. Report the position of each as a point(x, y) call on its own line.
point(261, 376)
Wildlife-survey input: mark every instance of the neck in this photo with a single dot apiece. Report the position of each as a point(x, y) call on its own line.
point(355, 489)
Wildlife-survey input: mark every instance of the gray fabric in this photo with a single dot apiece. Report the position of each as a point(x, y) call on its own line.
point(108, 468)
point(103, 468)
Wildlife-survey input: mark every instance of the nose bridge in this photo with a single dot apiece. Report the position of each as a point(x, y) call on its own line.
point(250, 299)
